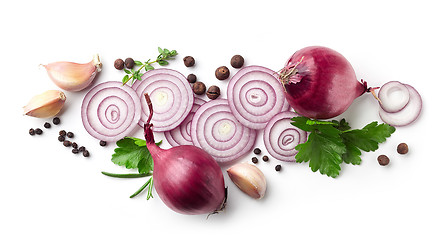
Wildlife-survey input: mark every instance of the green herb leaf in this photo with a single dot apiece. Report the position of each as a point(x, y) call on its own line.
point(149, 67)
point(132, 153)
point(163, 62)
point(125, 79)
point(138, 63)
point(127, 71)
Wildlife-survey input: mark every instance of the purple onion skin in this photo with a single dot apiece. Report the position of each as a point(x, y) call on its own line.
point(324, 84)
point(187, 179)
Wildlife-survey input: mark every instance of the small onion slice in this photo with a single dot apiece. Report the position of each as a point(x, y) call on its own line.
point(171, 95)
point(215, 129)
point(281, 138)
point(110, 111)
point(394, 96)
point(255, 95)
point(406, 115)
point(181, 135)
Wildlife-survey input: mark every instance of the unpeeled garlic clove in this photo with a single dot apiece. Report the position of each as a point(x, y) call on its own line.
point(45, 105)
point(249, 179)
point(72, 76)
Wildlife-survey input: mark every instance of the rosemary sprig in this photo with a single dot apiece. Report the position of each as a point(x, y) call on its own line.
point(162, 60)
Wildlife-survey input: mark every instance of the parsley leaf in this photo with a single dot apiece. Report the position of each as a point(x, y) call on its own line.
point(132, 153)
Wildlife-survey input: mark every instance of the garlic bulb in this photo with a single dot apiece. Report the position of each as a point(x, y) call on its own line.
point(249, 179)
point(45, 105)
point(72, 76)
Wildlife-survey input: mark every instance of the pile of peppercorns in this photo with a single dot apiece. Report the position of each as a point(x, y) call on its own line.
point(221, 73)
point(384, 160)
point(265, 158)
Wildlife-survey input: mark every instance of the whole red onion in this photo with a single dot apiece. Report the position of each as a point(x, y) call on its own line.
point(320, 83)
point(187, 179)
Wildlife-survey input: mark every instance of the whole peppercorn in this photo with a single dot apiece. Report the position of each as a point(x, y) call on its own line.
point(265, 158)
point(383, 160)
point(189, 61)
point(402, 148)
point(46, 125)
point(222, 73)
point(254, 159)
point(237, 61)
point(257, 151)
point(74, 145)
point(102, 143)
point(213, 92)
point(85, 153)
point(119, 64)
point(278, 168)
point(31, 131)
point(67, 143)
point(70, 134)
point(129, 62)
point(75, 150)
point(61, 138)
point(56, 121)
point(191, 78)
point(199, 88)
point(38, 131)
point(81, 149)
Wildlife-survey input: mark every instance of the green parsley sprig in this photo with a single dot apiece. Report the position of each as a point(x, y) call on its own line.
point(132, 153)
point(331, 143)
point(162, 60)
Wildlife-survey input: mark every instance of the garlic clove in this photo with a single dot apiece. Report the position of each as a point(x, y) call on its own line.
point(249, 179)
point(45, 105)
point(72, 76)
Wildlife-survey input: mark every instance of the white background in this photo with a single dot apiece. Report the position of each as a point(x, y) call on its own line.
point(49, 193)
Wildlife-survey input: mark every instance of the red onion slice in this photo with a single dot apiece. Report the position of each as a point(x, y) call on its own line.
point(110, 111)
point(181, 135)
point(171, 95)
point(281, 138)
point(394, 96)
point(255, 95)
point(215, 129)
point(406, 115)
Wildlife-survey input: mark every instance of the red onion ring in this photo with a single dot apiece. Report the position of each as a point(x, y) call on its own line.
point(171, 95)
point(181, 135)
point(110, 111)
point(406, 115)
point(394, 96)
point(215, 129)
point(255, 95)
point(281, 138)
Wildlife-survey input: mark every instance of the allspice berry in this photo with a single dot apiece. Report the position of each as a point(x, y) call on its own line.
point(119, 64)
point(192, 78)
point(222, 73)
point(402, 148)
point(237, 61)
point(199, 88)
point(383, 160)
point(129, 62)
point(213, 92)
point(189, 61)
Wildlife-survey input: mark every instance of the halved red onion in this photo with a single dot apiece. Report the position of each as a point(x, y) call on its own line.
point(110, 111)
point(181, 135)
point(215, 129)
point(255, 95)
point(406, 115)
point(281, 138)
point(393, 96)
point(171, 95)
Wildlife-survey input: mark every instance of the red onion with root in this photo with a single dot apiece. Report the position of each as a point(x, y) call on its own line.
point(187, 179)
point(320, 83)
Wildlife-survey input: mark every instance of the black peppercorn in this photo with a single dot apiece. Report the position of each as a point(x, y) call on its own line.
point(257, 151)
point(46, 125)
point(237, 61)
point(383, 160)
point(119, 64)
point(70, 134)
point(74, 145)
point(254, 159)
point(402, 148)
point(62, 133)
point(129, 62)
point(213, 92)
point(56, 121)
point(265, 158)
point(278, 168)
point(61, 138)
point(199, 88)
point(75, 150)
point(81, 149)
point(222, 73)
point(32, 132)
point(102, 143)
point(67, 143)
point(189, 61)
point(38, 131)
point(192, 78)
point(85, 153)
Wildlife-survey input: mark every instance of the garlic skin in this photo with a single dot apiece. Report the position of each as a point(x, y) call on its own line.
point(45, 105)
point(249, 179)
point(72, 76)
